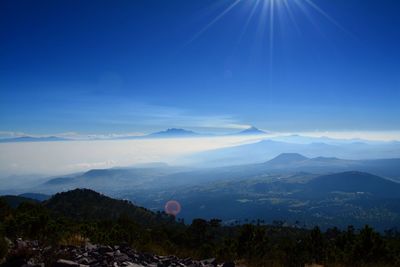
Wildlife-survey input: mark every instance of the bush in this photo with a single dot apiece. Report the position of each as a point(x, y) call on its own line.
point(3, 247)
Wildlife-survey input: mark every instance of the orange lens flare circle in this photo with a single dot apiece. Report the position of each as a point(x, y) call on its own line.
point(172, 207)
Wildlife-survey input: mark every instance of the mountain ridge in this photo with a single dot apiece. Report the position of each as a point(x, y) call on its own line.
point(78, 204)
point(354, 182)
point(285, 158)
point(251, 131)
point(174, 132)
point(24, 139)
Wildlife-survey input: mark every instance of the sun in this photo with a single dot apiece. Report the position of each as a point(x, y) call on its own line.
point(266, 12)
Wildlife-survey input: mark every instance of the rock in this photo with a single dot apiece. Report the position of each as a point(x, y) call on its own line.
point(90, 246)
point(187, 261)
point(134, 265)
point(100, 255)
point(104, 249)
point(211, 261)
point(87, 261)
point(110, 254)
point(122, 257)
point(165, 262)
point(228, 264)
point(21, 244)
point(66, 263)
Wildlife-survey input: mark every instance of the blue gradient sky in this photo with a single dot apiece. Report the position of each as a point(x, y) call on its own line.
point(139, 66)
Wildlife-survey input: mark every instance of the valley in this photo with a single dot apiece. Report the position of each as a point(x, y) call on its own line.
point(290, 188)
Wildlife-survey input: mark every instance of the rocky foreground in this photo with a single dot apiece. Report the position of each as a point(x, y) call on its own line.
point(30, 254)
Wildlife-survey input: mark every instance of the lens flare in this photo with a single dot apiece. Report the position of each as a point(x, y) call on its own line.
point(172, 207)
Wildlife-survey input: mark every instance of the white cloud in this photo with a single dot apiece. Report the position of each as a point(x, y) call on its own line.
point(93, 165)
point(65, 157)
point(11, 134)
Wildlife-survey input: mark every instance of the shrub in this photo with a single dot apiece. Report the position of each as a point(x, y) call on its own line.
point(3, 247)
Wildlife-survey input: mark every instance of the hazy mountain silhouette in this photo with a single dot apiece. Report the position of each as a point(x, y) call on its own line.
point(290, 162)
point(265, 150)
point(174, 132)
point(353, 182)
point(35, 196)
point(15, 201)
point(287, 158)
point(33, 139)
point(251, 131)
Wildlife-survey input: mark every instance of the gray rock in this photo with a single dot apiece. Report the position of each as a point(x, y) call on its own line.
point(122, 257)
point(90, 246)
point(104, 249)
point(87, 261)
point(66, 263)
point(211, 261)
point(21, 244)
point(134, 265)
point(110, 254)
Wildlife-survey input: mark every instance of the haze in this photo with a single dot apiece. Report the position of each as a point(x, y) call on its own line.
point(51, 158)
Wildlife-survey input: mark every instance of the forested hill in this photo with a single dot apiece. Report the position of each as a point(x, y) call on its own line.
point(75, 218)
point(86, 204)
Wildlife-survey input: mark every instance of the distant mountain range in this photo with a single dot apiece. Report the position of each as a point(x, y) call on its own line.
point(181, 133)
point(115, 179)
point(293, 162)
point(295, 141)
point(168, 133)
point(251, 131)
point(267, 149)
point(163, 177)
point(323, 190)
point(35, 196)
point(353, 182)
point(32, 139)
point(174, 132)
point(15, 201)
point(287, 158)
point(340, 199)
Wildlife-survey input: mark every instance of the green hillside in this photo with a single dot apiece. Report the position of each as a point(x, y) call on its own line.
point(73, 218)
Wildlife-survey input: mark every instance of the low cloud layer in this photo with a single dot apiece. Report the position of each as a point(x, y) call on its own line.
point(52, 158)
point(62, 157)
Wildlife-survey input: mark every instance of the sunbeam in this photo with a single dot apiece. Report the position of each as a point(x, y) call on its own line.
point(267, 11)
point(217, 18)
point(291, 15)
point(324, 14)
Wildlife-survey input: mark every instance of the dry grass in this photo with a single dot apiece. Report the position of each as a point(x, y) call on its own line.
point(74, 240)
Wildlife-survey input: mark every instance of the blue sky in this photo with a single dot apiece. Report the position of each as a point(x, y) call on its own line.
point(145, 65)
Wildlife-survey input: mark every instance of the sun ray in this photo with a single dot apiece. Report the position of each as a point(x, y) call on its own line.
point(271, 29)
point(270, 15)
point(251, 15)
point(307, 14)
point(216, 19)
point(291, 15)
point(323, 13)
point(262, 22)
